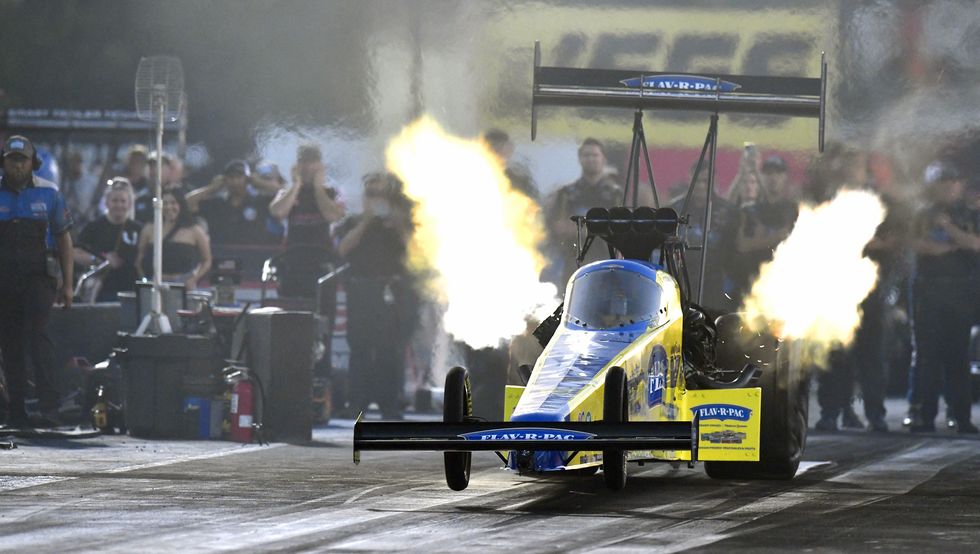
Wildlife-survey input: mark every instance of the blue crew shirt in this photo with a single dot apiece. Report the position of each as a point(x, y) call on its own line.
point(29, 221)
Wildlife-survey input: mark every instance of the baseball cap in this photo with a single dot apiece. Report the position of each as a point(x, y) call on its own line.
point(939, 171)
point(137, 150)
point(268, 170)
point(774, 163)
point(236, 166)
point(18, 144)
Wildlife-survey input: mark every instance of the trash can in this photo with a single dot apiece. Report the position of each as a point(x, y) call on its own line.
point(280, 353)
point(159, 374)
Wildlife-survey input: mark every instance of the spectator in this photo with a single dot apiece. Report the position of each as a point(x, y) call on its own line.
point(775, 174)
point(186, 246)
point(136, 168)
point(235, 206)
point(783, 196)
point(34, 224)
point(309, 206)
point(381, 303)
point(177, 170)
point(169, 178)
point(500, 144)
point(143, 206)
point(719, 289)
point(595, 188)
point(946, 247)
point(268, 177)
point(867, 358)
point(762, 219)
point(114, 237)
point(78, 187)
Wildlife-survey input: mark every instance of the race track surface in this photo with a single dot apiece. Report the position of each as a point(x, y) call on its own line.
point(856, 492)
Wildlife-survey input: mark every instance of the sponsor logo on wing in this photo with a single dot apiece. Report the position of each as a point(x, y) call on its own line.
point(722, 412)
point(682, 82)
point(527, 435)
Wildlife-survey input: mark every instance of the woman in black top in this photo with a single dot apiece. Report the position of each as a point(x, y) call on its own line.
point(112, 238)
point(186, 246)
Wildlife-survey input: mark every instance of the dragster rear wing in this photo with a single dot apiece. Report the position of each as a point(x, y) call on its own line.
point(615, 88)
point(529, 435)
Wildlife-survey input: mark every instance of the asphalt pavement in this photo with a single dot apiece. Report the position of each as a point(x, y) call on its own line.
point(856, 491)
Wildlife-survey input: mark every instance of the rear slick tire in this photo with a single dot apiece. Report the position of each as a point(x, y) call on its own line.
point(615, 410)
point(457, 407)
point(785, 402)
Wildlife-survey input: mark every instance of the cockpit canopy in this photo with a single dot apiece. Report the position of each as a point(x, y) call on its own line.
point(612, 297)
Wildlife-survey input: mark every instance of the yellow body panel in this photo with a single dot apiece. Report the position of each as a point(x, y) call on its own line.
point(729, 420)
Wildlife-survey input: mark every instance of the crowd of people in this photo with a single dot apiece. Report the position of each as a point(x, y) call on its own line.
point(926, 297)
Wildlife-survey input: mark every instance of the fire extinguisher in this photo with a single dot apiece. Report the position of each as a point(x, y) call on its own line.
point(243, 403)
point(242, 411)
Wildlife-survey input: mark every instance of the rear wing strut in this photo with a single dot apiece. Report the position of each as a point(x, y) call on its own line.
point(638, 90)
point(530, 435)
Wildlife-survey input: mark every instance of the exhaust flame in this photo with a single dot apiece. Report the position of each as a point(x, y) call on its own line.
point(818, 277)
point(476, 239)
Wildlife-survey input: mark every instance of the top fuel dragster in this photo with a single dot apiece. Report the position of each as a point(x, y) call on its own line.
point(633, 368)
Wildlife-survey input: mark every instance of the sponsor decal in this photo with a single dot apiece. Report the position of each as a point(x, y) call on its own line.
point(530, 434)
point(722, 412)
point(657, 376)
point(724, 437)
point(691, 83)
point(39, 207)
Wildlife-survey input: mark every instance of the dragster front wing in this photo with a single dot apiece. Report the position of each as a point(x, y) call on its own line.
point(526, 435)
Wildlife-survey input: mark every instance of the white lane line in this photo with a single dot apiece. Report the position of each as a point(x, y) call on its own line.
point(181, 459)
point(17, 482)
point(363, 492)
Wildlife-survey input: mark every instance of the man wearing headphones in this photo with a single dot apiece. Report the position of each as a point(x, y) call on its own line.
point(34, 242)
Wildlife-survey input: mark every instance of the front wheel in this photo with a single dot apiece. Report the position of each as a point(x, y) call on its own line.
point(614, 410)
point(457, 407)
